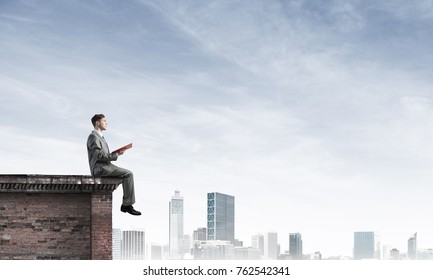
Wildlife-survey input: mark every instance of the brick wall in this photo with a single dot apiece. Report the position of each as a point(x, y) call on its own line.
point(101, 226)
point(54, 220)
point(44, 226)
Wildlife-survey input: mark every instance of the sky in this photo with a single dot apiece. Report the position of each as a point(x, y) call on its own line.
point(316, 115)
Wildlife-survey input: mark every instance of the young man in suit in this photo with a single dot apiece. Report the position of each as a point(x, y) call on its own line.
point(100, 164)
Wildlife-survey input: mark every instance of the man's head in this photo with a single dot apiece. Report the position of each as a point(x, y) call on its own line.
point(99, 122)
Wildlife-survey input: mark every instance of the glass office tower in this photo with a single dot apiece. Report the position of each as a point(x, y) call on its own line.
point(295, 248)
point(220, 217)
point(363, 245)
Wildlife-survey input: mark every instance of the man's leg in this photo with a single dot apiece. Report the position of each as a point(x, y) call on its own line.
point(127, 182)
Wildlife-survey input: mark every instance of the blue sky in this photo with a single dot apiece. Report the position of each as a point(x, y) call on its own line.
point(316, 116)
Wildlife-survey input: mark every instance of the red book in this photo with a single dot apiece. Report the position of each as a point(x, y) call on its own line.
point(126, 147)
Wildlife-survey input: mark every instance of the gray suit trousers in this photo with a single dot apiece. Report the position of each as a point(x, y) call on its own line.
point(111, 170)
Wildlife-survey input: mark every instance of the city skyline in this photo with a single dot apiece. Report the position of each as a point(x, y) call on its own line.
point(320, 112)
point(365, 244)
point(364, 247)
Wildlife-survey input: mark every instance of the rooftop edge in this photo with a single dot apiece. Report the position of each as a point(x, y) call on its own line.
point(35, 183)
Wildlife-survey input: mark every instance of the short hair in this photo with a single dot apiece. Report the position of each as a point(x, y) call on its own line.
point(96, 118)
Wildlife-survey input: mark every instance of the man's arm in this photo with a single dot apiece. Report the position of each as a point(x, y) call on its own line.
point(98, 152)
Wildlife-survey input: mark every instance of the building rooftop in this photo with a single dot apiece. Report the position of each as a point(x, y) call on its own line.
point(57, 183)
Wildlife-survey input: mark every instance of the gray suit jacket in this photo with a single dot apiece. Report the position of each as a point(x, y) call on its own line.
point(98, 153)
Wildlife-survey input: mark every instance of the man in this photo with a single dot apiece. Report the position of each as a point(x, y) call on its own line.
point(100, 163)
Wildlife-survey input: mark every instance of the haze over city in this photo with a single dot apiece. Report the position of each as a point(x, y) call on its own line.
point(316, 116)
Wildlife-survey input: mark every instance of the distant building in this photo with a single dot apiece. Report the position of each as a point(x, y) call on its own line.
point(214, 250)
point(117, 244)
point(154, 252)
point(200, 234)
point(412, 247)
point(317, 255)
point(271, 246)
point(243, 253)
point(220, 217)
point(386, 251)
point(363, 245)
point(395, 254)
point(223, 250)
point(165, 252)
point(284, 256)
point(258, 241)
point(295, 246)
point(378, 254)
point(179, 243)
point(313, 256)
point(185, 245)
point(133, 245)
point(425, 254)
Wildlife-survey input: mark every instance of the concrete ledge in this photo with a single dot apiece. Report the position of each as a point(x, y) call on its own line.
point(58, 183)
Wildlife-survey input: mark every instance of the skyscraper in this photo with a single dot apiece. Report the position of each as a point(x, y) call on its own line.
point(412, 247)
point(363, 245)
point(175, 225)
point(133, 245)
point(220, 217)
point(295, 246)
point(271, 246)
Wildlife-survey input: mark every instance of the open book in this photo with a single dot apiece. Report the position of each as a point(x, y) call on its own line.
point(126, 147)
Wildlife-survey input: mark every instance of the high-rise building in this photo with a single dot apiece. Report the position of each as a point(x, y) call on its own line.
point(176, 225)
point(258, 241)
point(363, 245)
point(220, 217)
point(295, 246)
point(200, 234)
point(117, 244)
point(412, 247)
point(133, 245)
point(271, 247)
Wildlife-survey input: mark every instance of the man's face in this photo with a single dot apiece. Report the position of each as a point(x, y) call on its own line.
point(102, 124)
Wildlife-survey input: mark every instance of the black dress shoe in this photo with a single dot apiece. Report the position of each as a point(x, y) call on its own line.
point(130, 210)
